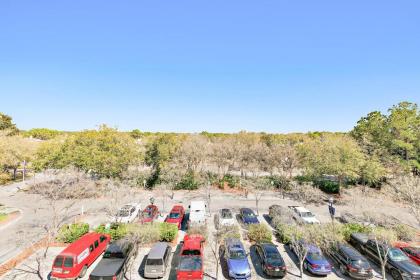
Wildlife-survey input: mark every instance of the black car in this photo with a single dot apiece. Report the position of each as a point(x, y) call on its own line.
point(114, 261)
point(351, 262)
point(272, 262)
point(398, 264)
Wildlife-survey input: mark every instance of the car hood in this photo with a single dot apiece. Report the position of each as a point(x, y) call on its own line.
point(408, 266)
point(251, 220)
point(238, 266)
point(310, 220)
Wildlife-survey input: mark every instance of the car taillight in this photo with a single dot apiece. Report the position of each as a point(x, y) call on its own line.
point(351, 268)
point(114, 277)
point(283, 267)
point(270, 267)
point(314, 265)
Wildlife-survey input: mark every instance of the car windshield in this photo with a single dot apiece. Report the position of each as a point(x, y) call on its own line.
point(174, 215)
point(316, 256)
point(360, 264)
point(58, 261)
point(189, 252)
point(276, 261)
point(307, 215)
point(237, 254)
point(113, 254)
point(249, 214)
point(123, 213)
point(226, 214)
point(147, 214)
point(190, 264)
point(397, 255)
point(68, 262)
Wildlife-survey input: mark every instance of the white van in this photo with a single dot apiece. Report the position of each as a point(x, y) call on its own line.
point(197, 212)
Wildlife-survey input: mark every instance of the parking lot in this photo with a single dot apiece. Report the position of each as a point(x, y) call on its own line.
point(29, 268)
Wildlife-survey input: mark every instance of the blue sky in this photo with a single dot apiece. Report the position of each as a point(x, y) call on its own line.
point(275, 66)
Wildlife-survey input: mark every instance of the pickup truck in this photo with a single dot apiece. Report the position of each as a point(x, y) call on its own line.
point(114, 261)
point(398, 264)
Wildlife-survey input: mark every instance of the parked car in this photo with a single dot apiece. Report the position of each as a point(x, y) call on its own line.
point(237, 260)
point(149, 214)
point(176, 216)
point(127, 214)
point(303, 215)
point(248, 216)
point(224, 217)
point(191, 263)
point(114, 262)
point(351, 262)
point(398, 264)
point(197, 213)
point(74, 260)
point(271, 261)
point(157, 261)
point(412, 252)
point(315, 261)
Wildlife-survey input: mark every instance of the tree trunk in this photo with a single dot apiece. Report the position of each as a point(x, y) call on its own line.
point(14, 173)
point(383, 270)
point(301, 268)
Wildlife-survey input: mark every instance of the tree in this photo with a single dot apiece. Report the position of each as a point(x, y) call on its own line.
point(337, 155)
point(42, 133)
point(136, 134)
point(103, 153)
point(383, 239)
point(407, 190)
point(14, 150)
point(6, 124)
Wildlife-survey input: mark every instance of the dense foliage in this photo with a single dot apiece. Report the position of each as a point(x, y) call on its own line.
point(41, 133)
point(259, 233)
point(72, 232)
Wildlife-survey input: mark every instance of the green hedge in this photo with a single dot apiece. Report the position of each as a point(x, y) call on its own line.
point(116, 230)
point(188, 182)
point(168, 232)
point(231, 181)
point(72, 232)
point(259, 233)
point(327, 185)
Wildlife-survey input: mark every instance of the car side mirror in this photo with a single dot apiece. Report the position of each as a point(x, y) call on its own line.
point(189, 206)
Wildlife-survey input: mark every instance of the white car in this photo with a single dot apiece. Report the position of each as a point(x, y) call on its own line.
point(303, 215)
point(128, 213)
point(224, 217)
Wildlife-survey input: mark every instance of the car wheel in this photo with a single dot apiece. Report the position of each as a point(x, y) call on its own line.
point(343, 269)
point(83, 272)
point(396, 274)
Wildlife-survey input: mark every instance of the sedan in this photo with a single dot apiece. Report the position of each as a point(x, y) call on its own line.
point(412, 252)
point(248, 216)
point(237, 260)
point(314, 262)
point(224, 218)
point(176, 216)
point(351, 262)
point(272, 262)
point(149, 214)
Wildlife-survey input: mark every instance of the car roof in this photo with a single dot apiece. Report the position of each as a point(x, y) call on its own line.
point(302, 209)
point(192, 241)
point(177, 208)
point(197, 204)
point(350, 251)
point(158, 250)
point(81, 244)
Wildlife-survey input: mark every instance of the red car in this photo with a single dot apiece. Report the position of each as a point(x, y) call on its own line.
point(74, 261)
point(149, 214)
point(412, 252)
point(191, 258)
point(176, 215)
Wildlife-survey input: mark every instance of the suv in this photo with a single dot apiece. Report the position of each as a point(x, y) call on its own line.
point(351, 262)
point(271, 261)
point(398, 264)
point(237, 260)
point(190, 265)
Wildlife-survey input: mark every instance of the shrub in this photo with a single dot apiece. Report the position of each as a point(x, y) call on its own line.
point(144, 234)
point(72, 232)
point(116, 230)
point(230, 180)
point(188, 182)
point(229, 232)
point(284, 233)
point(347, 229)
point(259, 233)
point(404, 232)
point(42, 133)
point(168, 232)
point(327, 186)
point(201, 230)
point(280, 182)
point(5, 178)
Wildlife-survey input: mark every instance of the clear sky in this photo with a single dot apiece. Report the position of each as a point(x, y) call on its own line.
point(220, 65)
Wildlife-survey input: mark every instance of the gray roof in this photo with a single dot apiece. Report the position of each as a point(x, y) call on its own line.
point(157, 250)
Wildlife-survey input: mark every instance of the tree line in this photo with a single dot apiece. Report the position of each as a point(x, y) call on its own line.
point(379, 146)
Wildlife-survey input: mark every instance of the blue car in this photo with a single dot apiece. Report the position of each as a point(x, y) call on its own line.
point(248, 216)
point(315, 262)
point(237, 260)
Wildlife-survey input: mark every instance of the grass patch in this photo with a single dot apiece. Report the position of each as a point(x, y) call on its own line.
point(3, 217)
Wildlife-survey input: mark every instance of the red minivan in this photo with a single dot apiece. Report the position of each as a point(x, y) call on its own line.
point(190, 265)
point(74, 261)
